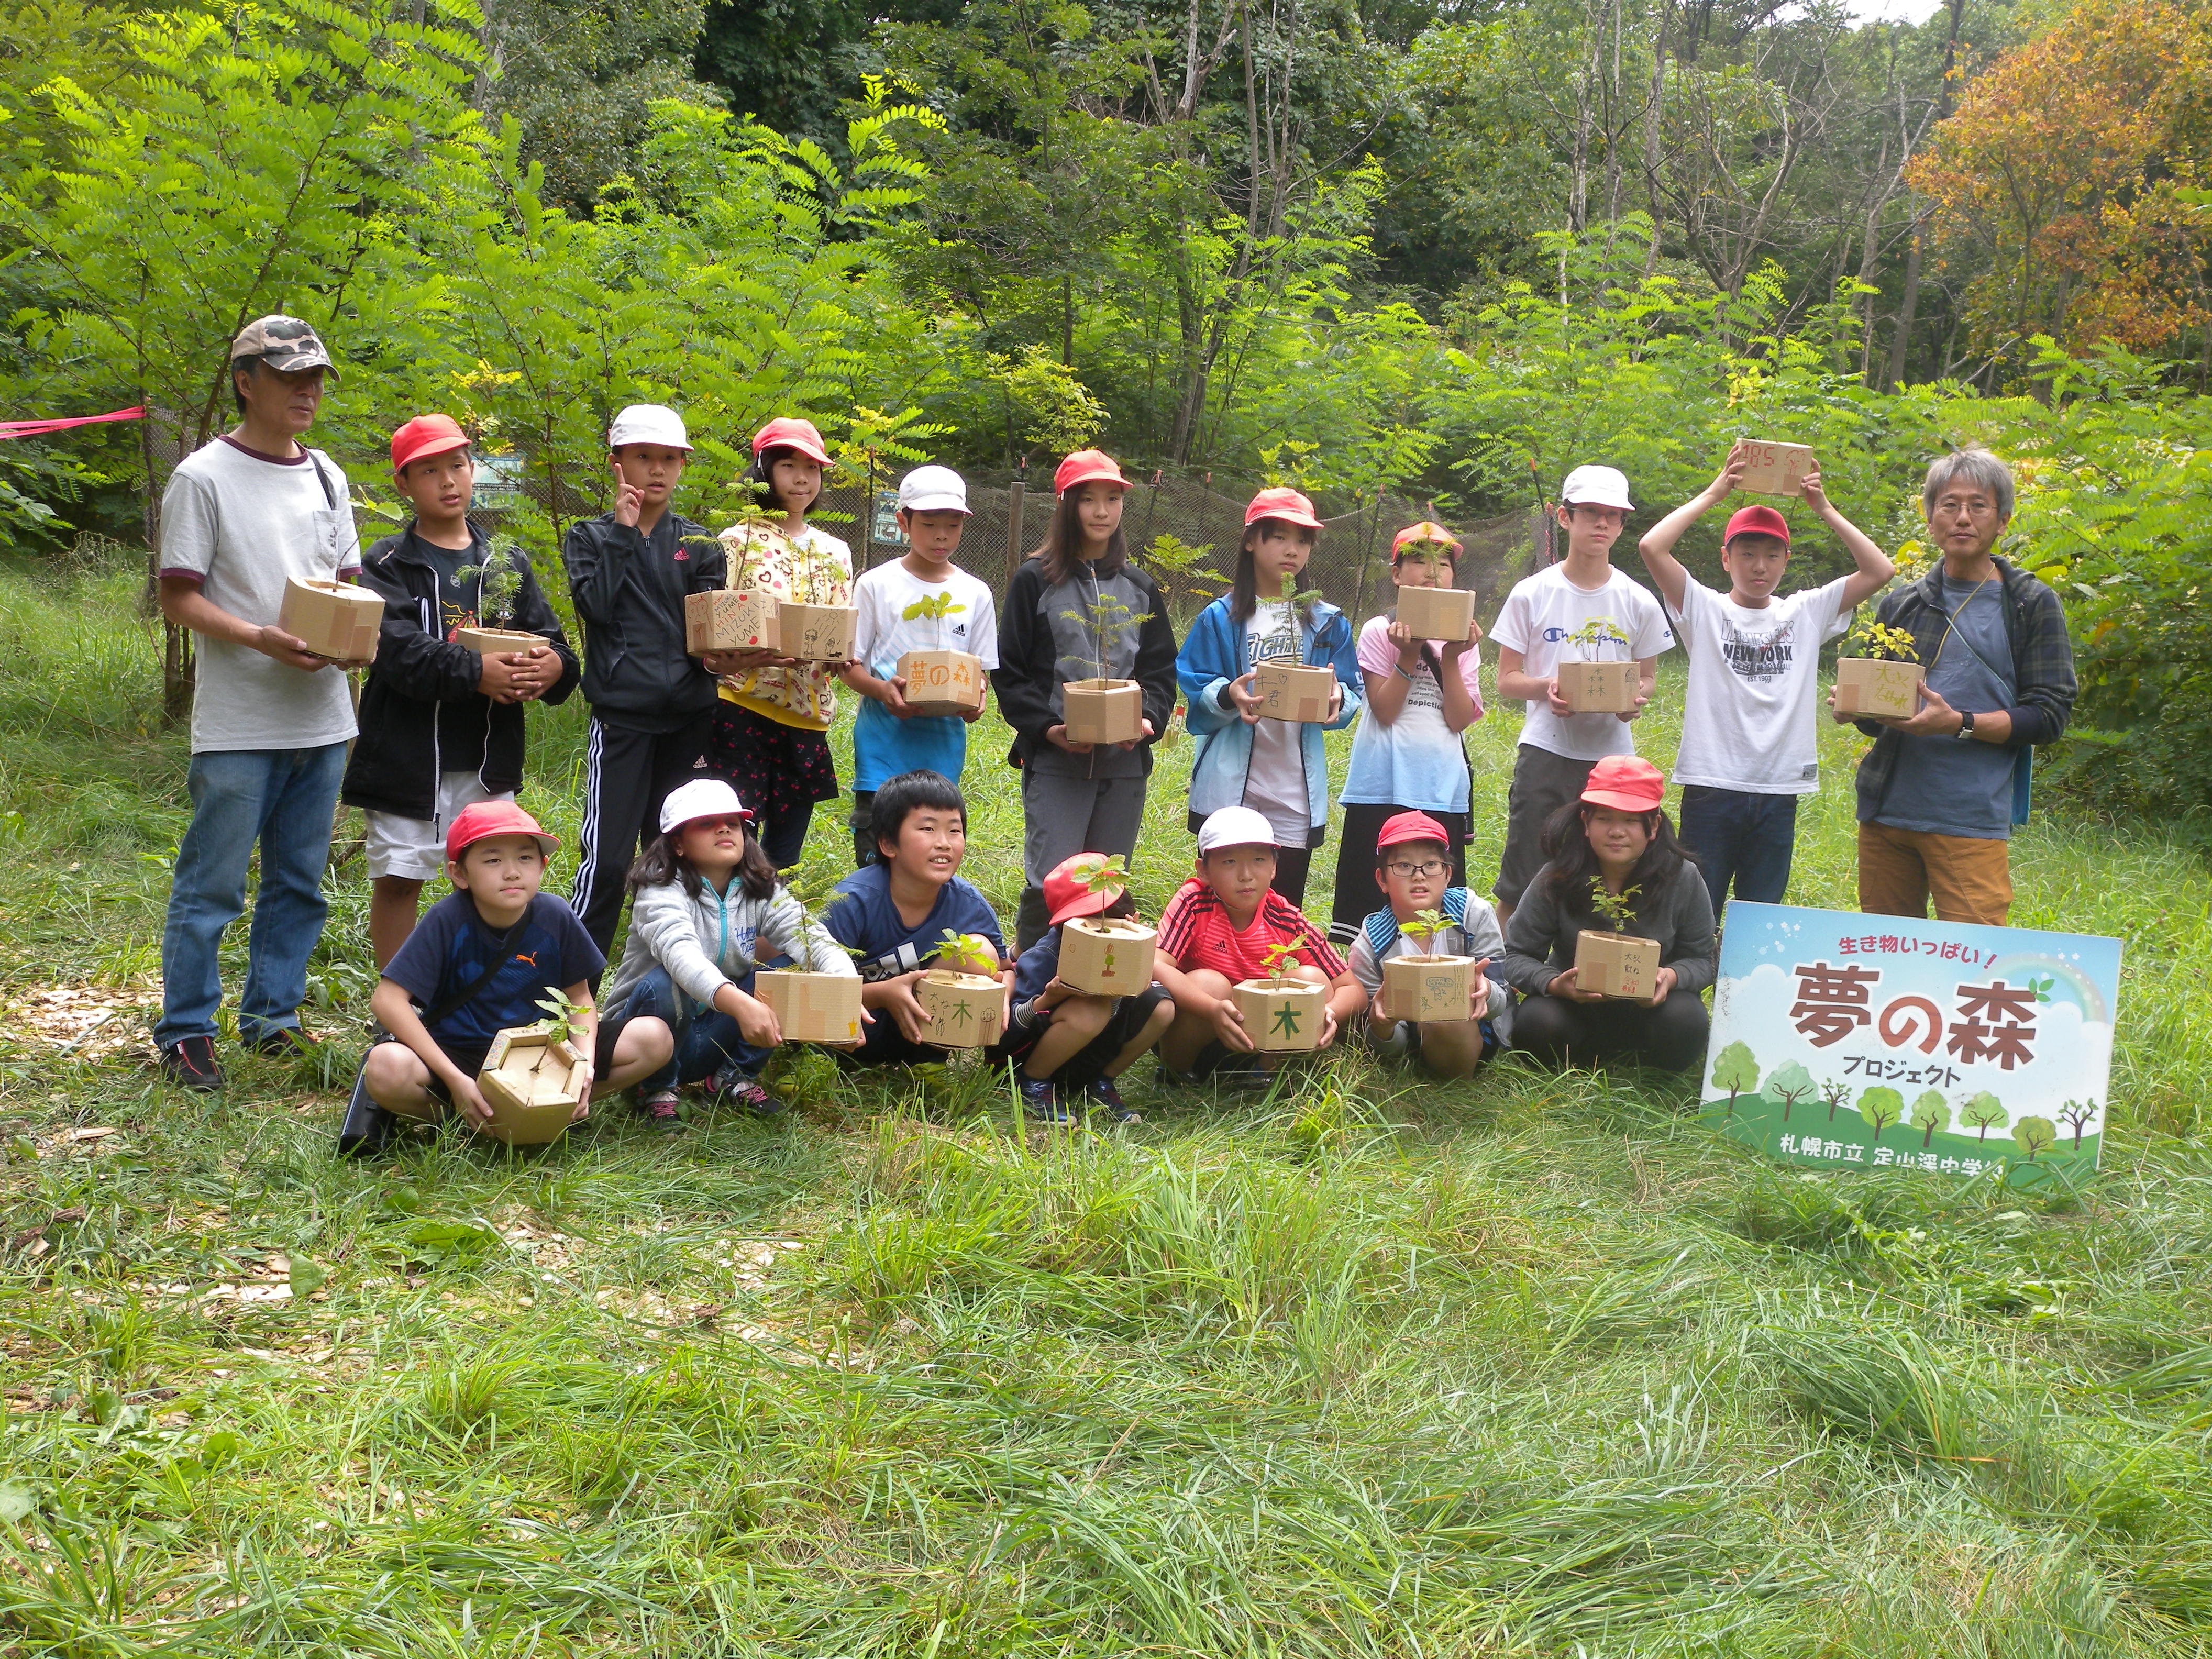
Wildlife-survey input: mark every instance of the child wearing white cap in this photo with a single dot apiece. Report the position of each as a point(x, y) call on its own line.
point(924, 602)
point(1579, 609)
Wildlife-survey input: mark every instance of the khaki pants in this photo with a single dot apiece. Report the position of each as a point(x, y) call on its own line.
point(1970, 877)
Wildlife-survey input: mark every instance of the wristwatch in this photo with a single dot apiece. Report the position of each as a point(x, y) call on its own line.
point(1966, 726)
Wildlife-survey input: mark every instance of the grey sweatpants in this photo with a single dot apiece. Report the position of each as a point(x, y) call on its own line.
point(1065, 816)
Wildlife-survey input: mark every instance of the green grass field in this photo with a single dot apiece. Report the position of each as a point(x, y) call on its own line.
point(1529, 1366)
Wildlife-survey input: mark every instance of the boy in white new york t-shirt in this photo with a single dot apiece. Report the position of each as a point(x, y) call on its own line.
point(1748, 748)
point(1582, 595)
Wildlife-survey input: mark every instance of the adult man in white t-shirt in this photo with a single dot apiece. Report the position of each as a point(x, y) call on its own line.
point(1748, 719)
point(1580, 609)
point(270, 720)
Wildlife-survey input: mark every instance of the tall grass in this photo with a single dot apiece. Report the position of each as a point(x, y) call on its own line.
point(1529, 1366)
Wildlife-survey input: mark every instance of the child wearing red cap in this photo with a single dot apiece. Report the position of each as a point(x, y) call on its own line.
point(441, 726)
point(1076, 796)
point(1413, 867)
point(772, 725)
point(1615, 836)
point(1408, 755)
point(1749, 718)
point(1279, 769)
point(483, 960)
point(1071, 1046)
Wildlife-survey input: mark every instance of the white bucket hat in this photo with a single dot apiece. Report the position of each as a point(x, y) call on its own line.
point(648, 423)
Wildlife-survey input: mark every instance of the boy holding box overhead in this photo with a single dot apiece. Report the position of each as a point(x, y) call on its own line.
point(1580, 609)
point(1749, 747)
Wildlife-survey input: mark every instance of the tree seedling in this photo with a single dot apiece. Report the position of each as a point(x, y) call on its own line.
point(561, 1015)
point(1883, 643)
point(1617, 909)
point(932, 608)
point(1424, 926)
point(499, 582)
point(961, 952)
point(1597, 631)
point(1099, 613)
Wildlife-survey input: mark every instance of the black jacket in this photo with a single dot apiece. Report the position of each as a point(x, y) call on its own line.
point(629, 590)
point(1043, 646)
point(421, 700)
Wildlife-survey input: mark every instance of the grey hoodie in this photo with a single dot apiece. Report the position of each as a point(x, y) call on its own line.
point(712, 940)
point(1540, 941)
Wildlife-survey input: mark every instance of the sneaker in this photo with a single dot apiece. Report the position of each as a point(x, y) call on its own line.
point(290, 1041)
point(188, 1063)
point(745, 1090)
point(660, 1106)
point(1108, 1099)
point(1043, 1103)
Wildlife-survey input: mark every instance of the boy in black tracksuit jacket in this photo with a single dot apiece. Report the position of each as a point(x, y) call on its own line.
point(653, 704)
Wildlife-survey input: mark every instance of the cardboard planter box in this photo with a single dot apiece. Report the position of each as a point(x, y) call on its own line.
point(1437, 613)
point(532, 1085)
point(1423, 988)
point(966, 1010)
point(1616, 964)
point(1280, 1017)
point(497, 642)
point(728, 620)
point(336, 620)
point(1103, 958)
point(942, 682)
point(816, 633)
point(1874, 685)
point(812, 1007)
point(1599, 688)
point(1777, 469)
point(1103, 711)
point(1294, 691)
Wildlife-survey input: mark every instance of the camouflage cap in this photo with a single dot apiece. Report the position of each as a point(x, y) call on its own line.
point(282, 341)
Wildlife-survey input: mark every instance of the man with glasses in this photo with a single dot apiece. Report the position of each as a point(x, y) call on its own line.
point(1940, 791)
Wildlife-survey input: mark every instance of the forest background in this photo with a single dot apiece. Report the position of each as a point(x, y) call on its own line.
point(1442, 250)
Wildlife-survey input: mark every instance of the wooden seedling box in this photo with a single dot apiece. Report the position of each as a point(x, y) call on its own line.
point(966, 1010)
point(1437, 613)
point(1424, 988)
point(1616, 964)
point(727, 619)
point(1874, 685)
point(497, 642)
point(942, 682)
point(1294, 691)
point(1777, 469)
point(1599, 688)
point(812, 1007)
point(1103, 711)
point(1281, 1016)
point(1107, 958)
point(816, 633)
point(336, 620)
point(532, 1085)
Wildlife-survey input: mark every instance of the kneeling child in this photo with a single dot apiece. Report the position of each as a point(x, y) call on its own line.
point(1413, 860)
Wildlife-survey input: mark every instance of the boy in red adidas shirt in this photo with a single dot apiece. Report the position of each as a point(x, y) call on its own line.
point(1216, 931)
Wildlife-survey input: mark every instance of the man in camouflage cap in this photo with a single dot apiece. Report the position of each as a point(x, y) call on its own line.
point(270, 720)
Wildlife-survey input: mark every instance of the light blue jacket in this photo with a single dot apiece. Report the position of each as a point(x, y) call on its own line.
point(1214, 654)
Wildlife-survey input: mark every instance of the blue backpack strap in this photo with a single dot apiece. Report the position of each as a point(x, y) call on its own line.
point(1382, 931)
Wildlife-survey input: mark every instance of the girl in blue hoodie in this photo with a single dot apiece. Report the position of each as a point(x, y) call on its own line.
point(1278, 768)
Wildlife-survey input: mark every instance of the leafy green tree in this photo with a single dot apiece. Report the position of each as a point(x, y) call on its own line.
point(1790, 1084)
point(1735, 1069)
point(1881, 1107)
point(2035, 1134)
point(2076, 1114)
point(1983, 1112)
point(1929, 1114)
point(1835, 1091)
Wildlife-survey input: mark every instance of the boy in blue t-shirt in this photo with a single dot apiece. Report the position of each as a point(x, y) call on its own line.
point(480, 961)
point(894, 913)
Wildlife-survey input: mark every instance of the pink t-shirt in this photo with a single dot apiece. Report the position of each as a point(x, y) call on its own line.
point(1416, 760)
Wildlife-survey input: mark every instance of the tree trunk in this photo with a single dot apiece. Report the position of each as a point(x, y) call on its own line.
point(1901, 342)
point(1651, 129)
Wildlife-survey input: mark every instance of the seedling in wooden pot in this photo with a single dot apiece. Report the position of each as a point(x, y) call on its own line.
point(1423, 985)
point(499, 584)
point(1886, 680)
point(940, 680)
point(1439, 611)
point(533, 1078)
point(1101, 710)
point(1618, 964)
point(335, 621)
point(1102, 955)
point(1281, 1014)
point(1289, 689)
point(962, 994)
point(811, 1005)
point(1598, 688)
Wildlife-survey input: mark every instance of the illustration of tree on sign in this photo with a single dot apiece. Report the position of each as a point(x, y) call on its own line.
point(1835, 1091)
point(1881, 1107)
point(1984, 1111)
point(2076, 1115)
point(1735, 1069)
point(1930, 1112)
point(1789, 1084)
point(2035, 1134)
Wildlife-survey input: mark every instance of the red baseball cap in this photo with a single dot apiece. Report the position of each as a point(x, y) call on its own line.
point(1086, 466)
point(1756, 521)
point(1427, 530)
point(426, 435)
point(1628, 783)
point(1067, 893)
point(1411, 826)
point(486, 819)
point(788, 432)
point(1285, 504)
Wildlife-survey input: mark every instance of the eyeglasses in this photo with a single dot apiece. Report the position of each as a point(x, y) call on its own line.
point(1432, 867)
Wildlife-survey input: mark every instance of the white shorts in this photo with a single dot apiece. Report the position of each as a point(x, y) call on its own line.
point(414, 849)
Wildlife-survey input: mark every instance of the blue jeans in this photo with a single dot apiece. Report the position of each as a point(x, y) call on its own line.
point(706, 1039)
point(1741, 837)
point(282, 799)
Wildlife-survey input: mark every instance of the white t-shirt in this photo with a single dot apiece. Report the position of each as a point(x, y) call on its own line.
point(243, 525)
point(1275, 783)
point(883, 635)
point(1540, 613)
point(1748, 716)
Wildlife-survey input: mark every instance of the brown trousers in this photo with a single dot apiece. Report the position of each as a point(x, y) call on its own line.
point(1970, 877)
